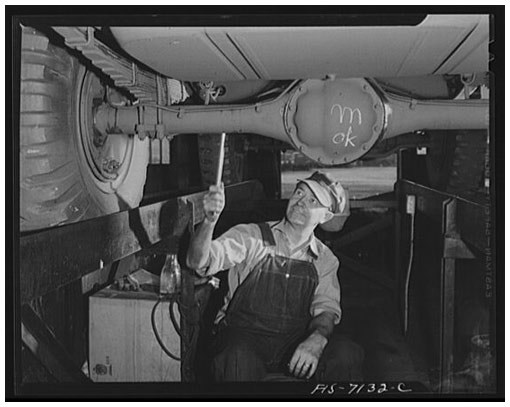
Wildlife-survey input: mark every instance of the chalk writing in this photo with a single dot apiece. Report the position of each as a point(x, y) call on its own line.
point(345, 112)
point(342, 137)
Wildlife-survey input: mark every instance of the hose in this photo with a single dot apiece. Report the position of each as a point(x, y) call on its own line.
point(172, 316)
point(209, 108)
point(174, 322)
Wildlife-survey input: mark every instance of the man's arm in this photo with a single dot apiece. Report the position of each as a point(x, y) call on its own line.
point(323, 324)
point(200, 244)
point(306, 357)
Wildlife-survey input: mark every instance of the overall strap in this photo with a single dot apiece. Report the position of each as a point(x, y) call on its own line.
point(267, 234)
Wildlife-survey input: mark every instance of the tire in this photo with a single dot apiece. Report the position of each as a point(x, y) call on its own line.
point(455, 162)
point(60, 179)
point(233, 163)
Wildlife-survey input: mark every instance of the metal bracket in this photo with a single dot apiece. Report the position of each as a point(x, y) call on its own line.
point(141, 129)
point(454, 246)
point(83, 41)
point(160, 131)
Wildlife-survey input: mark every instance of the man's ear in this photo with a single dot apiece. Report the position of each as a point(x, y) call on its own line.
point(327, 216)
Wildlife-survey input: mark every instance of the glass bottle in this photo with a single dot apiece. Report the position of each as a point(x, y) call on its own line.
point(170, 279)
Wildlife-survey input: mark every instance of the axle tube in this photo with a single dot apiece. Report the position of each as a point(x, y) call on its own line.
point(330, 121)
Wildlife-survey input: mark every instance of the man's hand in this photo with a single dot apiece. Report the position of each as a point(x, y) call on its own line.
point(214, 202)
point(306, 357)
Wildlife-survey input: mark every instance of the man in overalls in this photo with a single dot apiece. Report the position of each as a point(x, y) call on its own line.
point(284, 296)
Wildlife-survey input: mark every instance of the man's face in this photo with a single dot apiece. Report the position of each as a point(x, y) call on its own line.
point(304, 209)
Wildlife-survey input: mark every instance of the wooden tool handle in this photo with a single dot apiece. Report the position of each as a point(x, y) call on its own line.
point(221, 158)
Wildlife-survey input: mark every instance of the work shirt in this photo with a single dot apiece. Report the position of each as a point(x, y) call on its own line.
point(241, 248)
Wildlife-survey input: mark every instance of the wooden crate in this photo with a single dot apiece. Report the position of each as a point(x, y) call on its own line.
point(122, 344)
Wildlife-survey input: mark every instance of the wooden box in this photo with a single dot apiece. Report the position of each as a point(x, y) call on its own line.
point(122, 343)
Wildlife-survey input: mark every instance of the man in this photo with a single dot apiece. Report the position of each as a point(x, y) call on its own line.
point(284, 295)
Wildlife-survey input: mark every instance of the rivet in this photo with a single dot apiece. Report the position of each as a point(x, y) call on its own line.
point(376, 128)
point(364, 147)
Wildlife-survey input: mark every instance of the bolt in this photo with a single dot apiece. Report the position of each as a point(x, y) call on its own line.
point(376, 106)
point(345, 159)
point(365, 87)
point(364, 147)
point(376, 128)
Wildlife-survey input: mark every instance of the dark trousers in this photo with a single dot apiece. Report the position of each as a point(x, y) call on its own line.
point(246, 356)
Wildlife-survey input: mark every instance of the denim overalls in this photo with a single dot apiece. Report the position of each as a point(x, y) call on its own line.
point(268, 314)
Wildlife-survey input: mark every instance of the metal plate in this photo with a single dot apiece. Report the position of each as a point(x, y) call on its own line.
point(335, 121)
point(248, 53)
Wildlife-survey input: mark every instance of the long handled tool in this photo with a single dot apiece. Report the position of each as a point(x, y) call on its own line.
point(221, 158)
point(167, 270)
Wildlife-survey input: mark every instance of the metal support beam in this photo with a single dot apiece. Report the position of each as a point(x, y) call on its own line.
point(454, 248)
point(57, 256)
point(47, 349)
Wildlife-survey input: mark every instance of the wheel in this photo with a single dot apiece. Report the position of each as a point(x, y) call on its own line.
point(68, 171)
point(455, 162)
point(233, 163)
